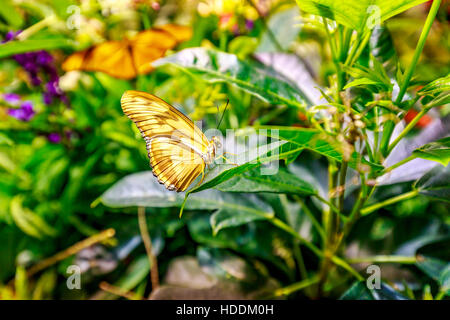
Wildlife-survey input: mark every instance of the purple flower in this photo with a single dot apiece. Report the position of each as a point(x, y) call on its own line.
point(249, 24)
point(52, 91)
point(39, 66)
point(24, 113)
point(10, 35)
point(11, 98)
point(54, 137)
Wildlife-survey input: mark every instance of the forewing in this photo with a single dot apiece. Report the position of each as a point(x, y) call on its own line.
point(156, 118)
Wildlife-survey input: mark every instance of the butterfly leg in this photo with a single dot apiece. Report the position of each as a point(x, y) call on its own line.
point(203, 177)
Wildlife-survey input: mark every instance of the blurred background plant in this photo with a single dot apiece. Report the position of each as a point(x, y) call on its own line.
point(64, 142)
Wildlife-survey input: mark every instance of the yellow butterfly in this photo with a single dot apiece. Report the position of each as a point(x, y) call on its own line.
point(127, 58)
point(178, 150)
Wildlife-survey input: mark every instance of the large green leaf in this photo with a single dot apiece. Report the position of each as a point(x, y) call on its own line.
point(142, 189)
point(321, 143)
point(435, 183)
point(245, 161)
point(360, 291)
point(281, 182)
point(16, 47)
point(260, 81)
point(357, 14)
point(434, 259)
point(438, 151)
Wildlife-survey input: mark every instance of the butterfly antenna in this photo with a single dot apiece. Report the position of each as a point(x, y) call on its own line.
point(223, 114)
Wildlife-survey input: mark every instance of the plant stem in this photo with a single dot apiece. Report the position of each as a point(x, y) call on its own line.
point(25, 34)
point(420, 44)
point(311, 216)
point(341, 188)
point(105, 286)
point(407, 129)
point(296, 287)
point(154, 277)
point(376, 206)
point(300, 262)
point(389, 125)
point(328, 203)
point(71, 251)
point(398, 164)
point(336, 260)
point(335, 57)
point(385, 259)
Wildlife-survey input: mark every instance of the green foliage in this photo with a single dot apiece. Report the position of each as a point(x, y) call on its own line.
point(356, 14)
point(274, 220)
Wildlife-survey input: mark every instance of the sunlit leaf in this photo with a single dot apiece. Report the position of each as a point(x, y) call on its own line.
point(317, 141)
point(260, 81)
point(357, 14)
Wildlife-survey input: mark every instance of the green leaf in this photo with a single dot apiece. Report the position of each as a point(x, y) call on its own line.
point(245, 161)
point(242, 46)
point(357, 14)
point(5, 140)
point(435, 183)
point(28, 221)
point(376, 75)
point(249, 239)
point(284, 26)
point(433, 258)
point(16, 47)
point(321, 143)
point(135, 274)
point(360, 82)
point(281, 182)
point(435, 87)
point(260, 81)
point(10, 14)
point(142, 189)
point(360, 291)
point(438, 151)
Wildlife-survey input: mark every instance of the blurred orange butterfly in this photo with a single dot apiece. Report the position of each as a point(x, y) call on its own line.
point(127, 58)
point(178, 150)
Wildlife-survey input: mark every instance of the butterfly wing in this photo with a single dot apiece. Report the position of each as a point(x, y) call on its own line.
point(174, 164)
point(180, 33)
point(111, 57)
point(127, 58)
point(176, 147)
point(149, 45)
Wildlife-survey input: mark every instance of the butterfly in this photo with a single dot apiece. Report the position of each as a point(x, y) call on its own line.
point(127, 58)
point(178, 150)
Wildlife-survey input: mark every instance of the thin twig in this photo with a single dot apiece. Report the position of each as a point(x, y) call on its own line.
point(154, 277)
point(71, 251)
point(105, 286)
